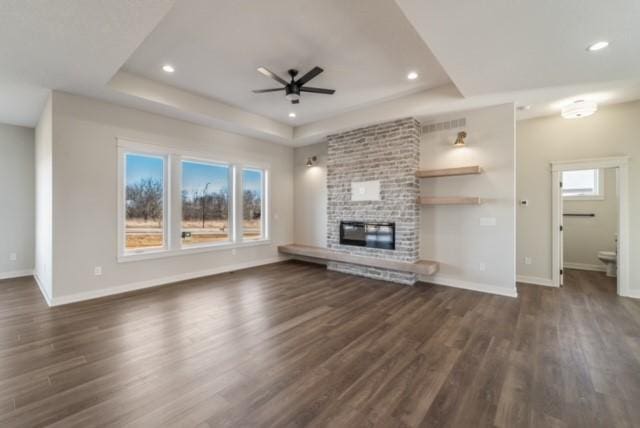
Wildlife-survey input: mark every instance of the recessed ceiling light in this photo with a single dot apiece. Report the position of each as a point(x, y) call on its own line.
point(292, 115)
point(168, 68)
point(578, 109)
point(412, 75)
point(598, 46)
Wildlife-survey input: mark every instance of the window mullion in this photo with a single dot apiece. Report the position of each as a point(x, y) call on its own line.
point(238, 198)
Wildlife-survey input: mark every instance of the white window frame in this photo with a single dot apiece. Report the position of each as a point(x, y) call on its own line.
point(264, 208)
point(598, 196)
point(230, 214)
point(127, 148)
point(172, 202)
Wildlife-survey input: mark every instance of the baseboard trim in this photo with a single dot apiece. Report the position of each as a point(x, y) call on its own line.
point(585, 266)
point(16, 274)
point(473, 286)
point(634, 294)
point(535, 280)
point(46, 296)
point(90, 295)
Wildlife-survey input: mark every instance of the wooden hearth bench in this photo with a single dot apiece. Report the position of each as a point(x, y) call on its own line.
point(421, 267)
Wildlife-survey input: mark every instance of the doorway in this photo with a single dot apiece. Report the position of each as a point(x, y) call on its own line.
point(587, 181)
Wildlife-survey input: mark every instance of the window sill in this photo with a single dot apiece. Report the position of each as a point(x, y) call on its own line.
point(150, 255)
point(584, 198)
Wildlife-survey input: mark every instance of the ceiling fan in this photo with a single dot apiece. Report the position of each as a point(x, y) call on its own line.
point(292, 89)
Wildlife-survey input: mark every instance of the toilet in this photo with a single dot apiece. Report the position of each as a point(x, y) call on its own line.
point(609, 258)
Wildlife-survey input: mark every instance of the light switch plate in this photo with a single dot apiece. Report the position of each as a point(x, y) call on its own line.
point(13, 257)
point(488, 221)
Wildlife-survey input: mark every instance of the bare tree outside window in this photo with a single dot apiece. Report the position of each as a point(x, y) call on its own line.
point(205, 203)
point(144, 201)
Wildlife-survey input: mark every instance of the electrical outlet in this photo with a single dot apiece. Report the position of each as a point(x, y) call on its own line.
point(13, 257)
point(483, 267)
point(97, 271)
point(234, 252)
point(527, 260)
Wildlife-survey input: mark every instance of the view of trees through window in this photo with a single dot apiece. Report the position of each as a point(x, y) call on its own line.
point(205, 203)
point(144, 201)
point(252, 203)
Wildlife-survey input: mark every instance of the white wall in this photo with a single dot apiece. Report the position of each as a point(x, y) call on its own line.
point(612, 131)
point(17, 196)
point(310, 184)
point(44, 200)
point(452, 235)
point(85, 214)
point(585, 236)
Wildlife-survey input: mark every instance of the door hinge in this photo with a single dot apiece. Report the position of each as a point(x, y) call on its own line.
point(561, 228)
point(561, 184)
point(561, 272)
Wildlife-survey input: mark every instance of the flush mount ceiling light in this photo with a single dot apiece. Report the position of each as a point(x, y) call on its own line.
point(292, 115)
point(598, 46)
point(578, 109)
point(525, 107)
point(460, 139)
point(168, 68)
point(311, 160)
point(412, 75)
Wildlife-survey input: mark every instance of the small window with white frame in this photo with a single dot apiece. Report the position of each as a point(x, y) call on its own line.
point(254, 196)
point(585, 184)
point(144, 191)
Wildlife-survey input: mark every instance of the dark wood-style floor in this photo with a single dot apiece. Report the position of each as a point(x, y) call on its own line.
point(292, 344)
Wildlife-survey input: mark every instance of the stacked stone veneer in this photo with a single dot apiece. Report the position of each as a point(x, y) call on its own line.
point(387, 152)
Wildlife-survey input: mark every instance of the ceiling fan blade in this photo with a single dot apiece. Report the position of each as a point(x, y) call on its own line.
point(295, 101)
point(317, 90)
point(274, 76)
point(262, 91)
point(310, 75)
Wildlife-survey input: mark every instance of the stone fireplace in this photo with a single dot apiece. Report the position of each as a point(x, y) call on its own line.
point(387, 153)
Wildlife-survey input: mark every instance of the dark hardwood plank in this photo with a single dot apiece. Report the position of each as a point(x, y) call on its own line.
point(293, 344)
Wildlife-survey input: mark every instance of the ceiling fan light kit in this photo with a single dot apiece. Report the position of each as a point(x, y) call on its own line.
point(293, 88)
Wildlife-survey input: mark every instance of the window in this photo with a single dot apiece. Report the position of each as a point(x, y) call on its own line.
point(587, 184)
point(144, 202)
point(253, 187)
point(205, 203)
point(172, 203)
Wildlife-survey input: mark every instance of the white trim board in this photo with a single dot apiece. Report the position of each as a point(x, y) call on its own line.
point(16, 274)
point(46, 296)
point(90, 295)
point(585, 266)
point(535, 280)
point(468, 285)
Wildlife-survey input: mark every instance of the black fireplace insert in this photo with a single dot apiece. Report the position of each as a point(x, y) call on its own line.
point(372, 235)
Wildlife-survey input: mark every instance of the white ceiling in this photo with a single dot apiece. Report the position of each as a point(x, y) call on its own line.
point(366, 47)
point(469, 54)
point(505, 45)
point(69, 45)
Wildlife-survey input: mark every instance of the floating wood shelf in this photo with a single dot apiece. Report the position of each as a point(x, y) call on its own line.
point(449, 200)
point(421, 267)
point(449, 172)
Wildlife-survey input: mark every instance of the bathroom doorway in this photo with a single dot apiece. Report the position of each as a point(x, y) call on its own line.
point(590, 220)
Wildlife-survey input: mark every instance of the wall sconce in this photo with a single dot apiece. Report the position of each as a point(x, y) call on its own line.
point(460, 140)
point(311, 160)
